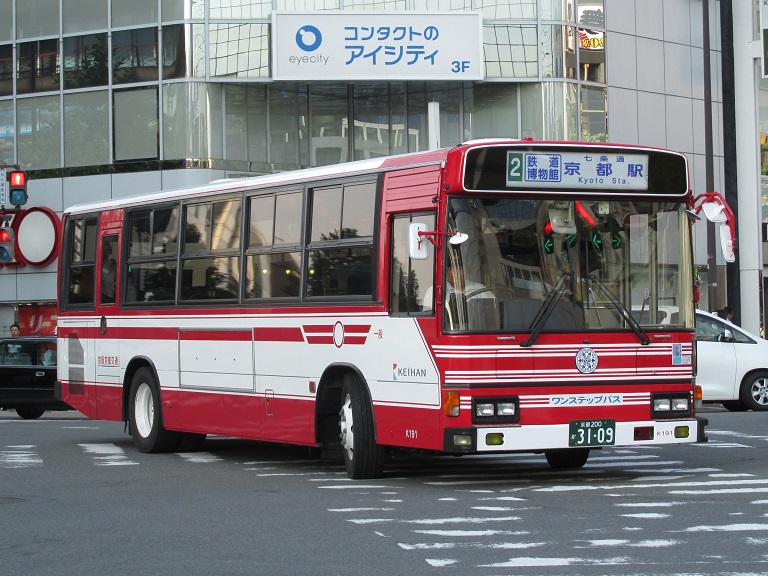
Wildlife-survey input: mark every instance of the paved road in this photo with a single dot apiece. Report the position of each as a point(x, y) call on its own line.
point(77, 498)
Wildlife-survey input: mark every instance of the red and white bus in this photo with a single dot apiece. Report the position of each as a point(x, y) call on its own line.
point(498, 296)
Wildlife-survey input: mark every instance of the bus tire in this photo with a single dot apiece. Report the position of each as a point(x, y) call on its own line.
point(145, 415)
point(363, 457)
point(567, 458)
point(30, 413)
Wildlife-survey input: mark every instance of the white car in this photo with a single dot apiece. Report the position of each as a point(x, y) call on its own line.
point(732, 364)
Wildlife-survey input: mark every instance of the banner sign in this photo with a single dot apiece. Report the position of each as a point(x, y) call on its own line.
point(377, 46)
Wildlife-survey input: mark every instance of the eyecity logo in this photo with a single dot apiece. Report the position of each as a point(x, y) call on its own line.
point(309, 38)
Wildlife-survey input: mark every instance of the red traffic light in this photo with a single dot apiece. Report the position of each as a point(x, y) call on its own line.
point(18, 179)
point(5, 235)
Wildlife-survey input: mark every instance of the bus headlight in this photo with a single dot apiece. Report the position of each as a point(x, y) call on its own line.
point(495, 410)
point(671, 405)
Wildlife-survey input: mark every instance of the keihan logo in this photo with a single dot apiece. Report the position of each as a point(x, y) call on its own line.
point(308, 38)
point(407, 371)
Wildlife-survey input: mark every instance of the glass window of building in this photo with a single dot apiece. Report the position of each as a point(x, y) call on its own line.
point(86, 128)
point(136, 124)
point(38, 132)
point(240, 9)
point(134, 56)
point(448, 94)
point(559, 10)
point(416, 96)
point(511, 51)
point(84, 15)
point(507, 9)
point(308, 5)
point(558, 58)
point(183, 51)
point(329, 108)
point(490, 110)
point(380, 5)
point(182, 10)
point(133, 13)
point(35, 18)
point(245, 120)
point(594, 122)
point(193, 121)
point(591, 41)
point(379, 123)
point(549, 111)
point(6, 70)
point(288, 127)
point(38, 66)
point(86, 61)
point(239, 50)
point(7, 131)
point(6, 24)
point(434, 5)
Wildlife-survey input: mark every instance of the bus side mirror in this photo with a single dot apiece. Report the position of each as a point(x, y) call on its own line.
point(726, 243)
point(418, 245)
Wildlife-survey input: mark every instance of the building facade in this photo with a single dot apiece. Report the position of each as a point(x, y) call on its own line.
point(105, 98)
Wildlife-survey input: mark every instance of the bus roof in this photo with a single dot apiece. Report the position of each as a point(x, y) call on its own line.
point(361, 167)
point(292, 176)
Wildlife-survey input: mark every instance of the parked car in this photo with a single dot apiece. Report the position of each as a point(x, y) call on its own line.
point(28, 375)
point(732, 364)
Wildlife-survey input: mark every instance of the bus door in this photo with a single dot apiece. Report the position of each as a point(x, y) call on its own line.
point(107, 356)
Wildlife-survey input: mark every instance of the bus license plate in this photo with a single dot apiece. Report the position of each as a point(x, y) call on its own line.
point(592, 433)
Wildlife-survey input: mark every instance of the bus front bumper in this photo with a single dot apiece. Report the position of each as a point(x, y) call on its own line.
point(534, 438)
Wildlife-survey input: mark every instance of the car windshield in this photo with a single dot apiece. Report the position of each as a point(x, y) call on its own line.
point(554, 265)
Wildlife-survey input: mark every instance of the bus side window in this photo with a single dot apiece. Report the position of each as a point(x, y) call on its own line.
point(81, 261)
point(411, 281)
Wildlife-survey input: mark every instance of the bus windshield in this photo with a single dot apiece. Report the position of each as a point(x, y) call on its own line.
point(567, 265)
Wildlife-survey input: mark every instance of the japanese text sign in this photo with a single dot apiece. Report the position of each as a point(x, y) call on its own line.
point(577, 170)
point(377, 46)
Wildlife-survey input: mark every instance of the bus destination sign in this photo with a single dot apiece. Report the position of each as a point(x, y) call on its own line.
point(577, 170)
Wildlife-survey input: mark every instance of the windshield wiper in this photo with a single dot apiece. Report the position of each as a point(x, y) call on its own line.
point(545, 310)
point(628, 318)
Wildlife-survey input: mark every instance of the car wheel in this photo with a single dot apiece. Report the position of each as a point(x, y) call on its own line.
point(734, 406)
point(754, 391)
point(30, 413)
point(145, 415)
point(570, 458)
point(363, 457)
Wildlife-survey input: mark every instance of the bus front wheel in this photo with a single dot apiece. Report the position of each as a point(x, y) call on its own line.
point(145, 415)
point(363, 457)
point(569, 458)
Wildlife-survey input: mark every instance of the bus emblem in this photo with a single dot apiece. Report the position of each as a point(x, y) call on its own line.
point(586, 360)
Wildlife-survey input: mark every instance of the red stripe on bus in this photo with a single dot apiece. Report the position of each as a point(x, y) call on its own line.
point(354, 339)
point(319, 339)
point(278, 335)
point(359, 329)
point(318, 329)
point(223, 335)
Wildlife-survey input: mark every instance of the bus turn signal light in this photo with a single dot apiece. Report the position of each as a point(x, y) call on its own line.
point(451, 403)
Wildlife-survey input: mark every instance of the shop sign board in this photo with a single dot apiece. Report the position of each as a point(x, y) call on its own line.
point(377, 46)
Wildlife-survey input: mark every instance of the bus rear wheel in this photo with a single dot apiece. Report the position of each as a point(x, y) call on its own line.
point(570, 458)
point(145, 415)
point(30, 413)
point(363, 457)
